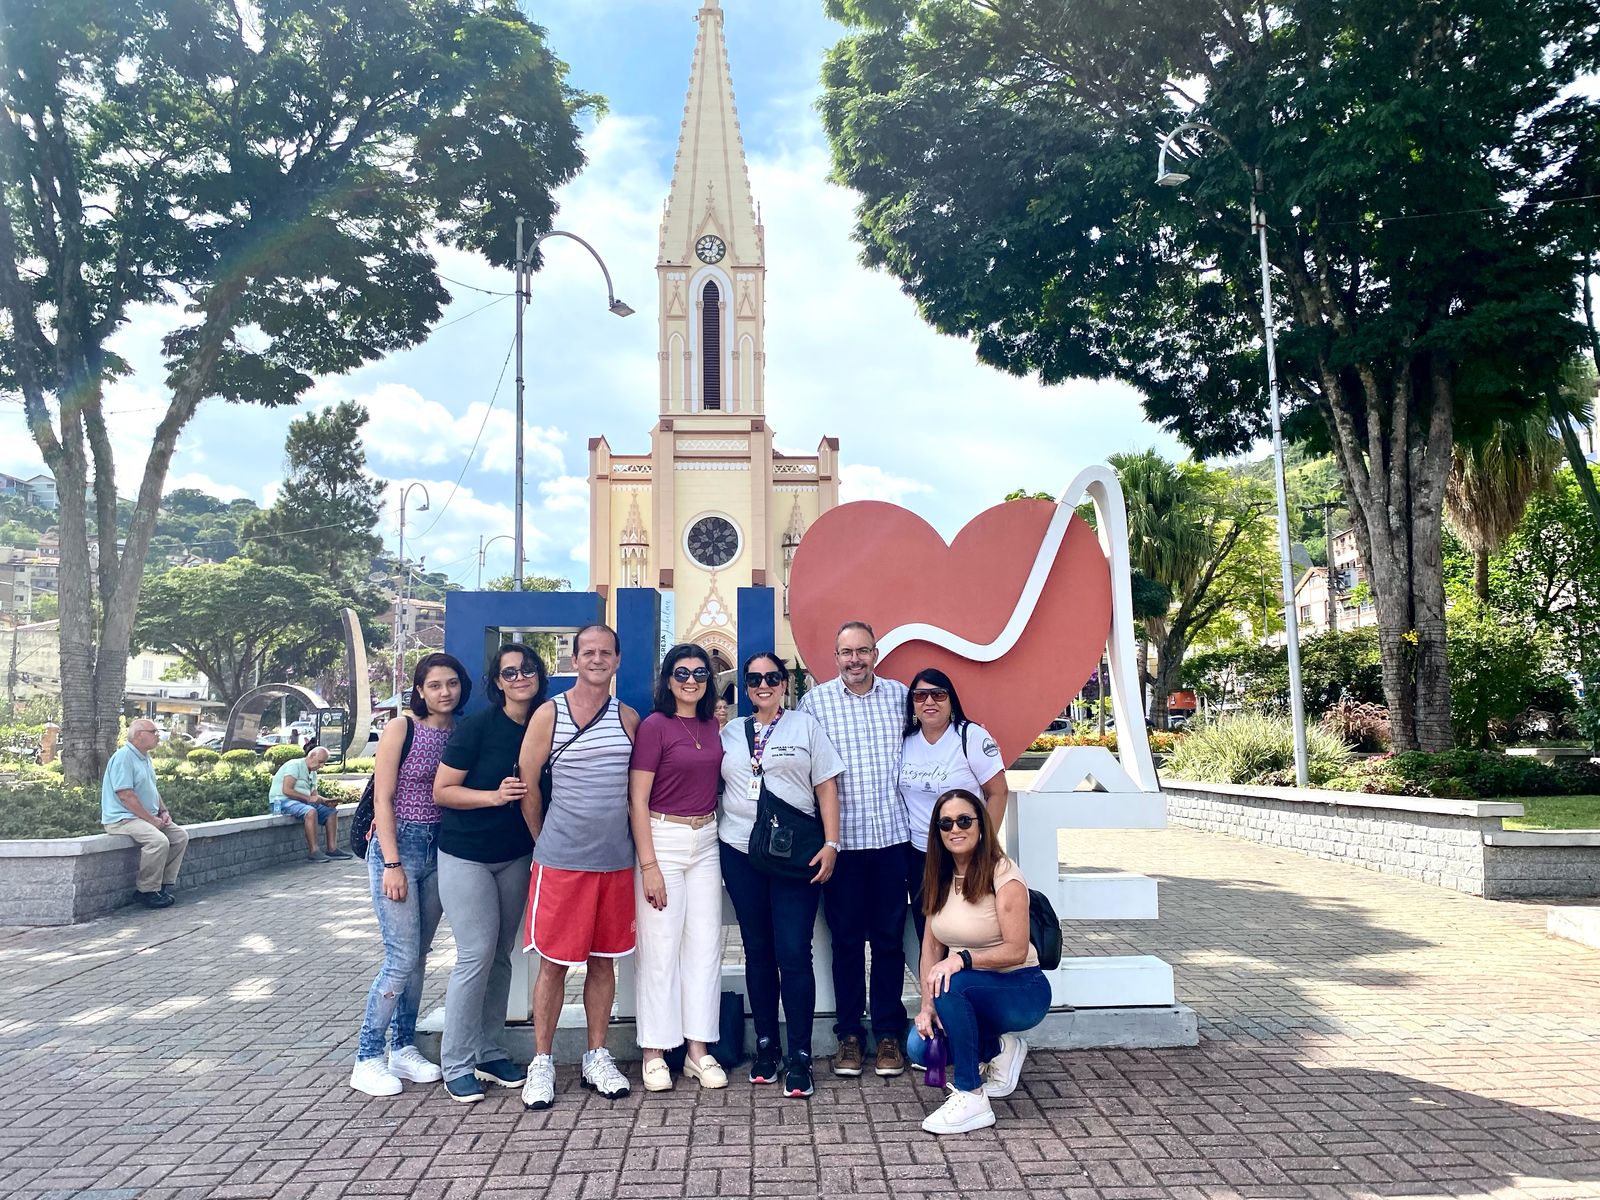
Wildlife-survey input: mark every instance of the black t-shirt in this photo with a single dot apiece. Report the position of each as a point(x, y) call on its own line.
point(485, 746)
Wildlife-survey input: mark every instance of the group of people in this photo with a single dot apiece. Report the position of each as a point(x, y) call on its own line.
point(575, 830)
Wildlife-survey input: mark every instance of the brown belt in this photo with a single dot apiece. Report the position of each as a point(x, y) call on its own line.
point(699, 822)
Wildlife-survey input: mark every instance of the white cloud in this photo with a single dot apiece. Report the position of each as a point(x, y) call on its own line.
point(569, 493)
point(206, 484)
point(406, 428)
point(859, 481)
point(580, 552)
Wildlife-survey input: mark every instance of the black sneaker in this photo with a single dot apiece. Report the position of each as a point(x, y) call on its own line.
point(464, 1089)
point(766, 1066)
point(797, 1081)
point(155, 899)
point(167, 896)
point(338, 854)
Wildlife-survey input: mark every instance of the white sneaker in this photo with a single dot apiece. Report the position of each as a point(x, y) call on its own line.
point(962, 1113)
point(539, 1089)
point(1005, 1068)
point(372, 1076)
point(600, 1072)
point(407, 1062)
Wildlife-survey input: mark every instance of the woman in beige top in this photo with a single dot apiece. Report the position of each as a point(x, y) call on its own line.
point(982, 983)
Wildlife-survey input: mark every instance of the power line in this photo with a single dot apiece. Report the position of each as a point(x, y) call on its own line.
point(473, 313)
point(472, 287)
point(484, 424)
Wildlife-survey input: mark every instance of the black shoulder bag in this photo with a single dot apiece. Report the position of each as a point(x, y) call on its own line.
point(1044, 930)
point(366, 808)
point(785, 839)
point(547, 777)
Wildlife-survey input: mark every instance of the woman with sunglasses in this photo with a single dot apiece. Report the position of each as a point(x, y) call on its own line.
point(485, 855)
point(981, 981)
point(672, 801)
point(788, 753)
point(943, 750)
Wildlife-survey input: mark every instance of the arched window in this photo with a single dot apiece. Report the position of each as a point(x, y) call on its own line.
point(711, 347)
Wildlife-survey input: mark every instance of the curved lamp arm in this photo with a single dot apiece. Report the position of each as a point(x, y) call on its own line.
point(616, 306)
point(1166, 178)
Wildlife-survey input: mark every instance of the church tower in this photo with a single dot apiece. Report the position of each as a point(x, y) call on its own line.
point(713, 507)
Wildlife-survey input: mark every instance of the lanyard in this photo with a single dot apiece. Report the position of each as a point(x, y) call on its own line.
point(761, 740)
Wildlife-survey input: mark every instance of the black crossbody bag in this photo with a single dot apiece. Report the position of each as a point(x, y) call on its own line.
point(785, 839)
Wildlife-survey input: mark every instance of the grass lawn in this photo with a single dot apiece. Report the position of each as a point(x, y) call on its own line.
point(1555, 812)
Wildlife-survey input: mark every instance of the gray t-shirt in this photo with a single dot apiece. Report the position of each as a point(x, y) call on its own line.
point(796, 758)
point(587, 826)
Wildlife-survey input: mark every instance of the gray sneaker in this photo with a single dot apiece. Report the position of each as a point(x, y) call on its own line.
point(539, 1089)
point(319, 856)
point(600, 1072)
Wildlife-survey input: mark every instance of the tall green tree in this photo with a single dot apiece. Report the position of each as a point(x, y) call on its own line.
point(325, 514)
point(233, 621)
point(1491, 482)
point(1401, 152)
point(272, 175)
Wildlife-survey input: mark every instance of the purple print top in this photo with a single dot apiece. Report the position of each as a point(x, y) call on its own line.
point(413, 793)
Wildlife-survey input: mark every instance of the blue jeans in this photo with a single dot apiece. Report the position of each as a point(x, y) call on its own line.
point(865, 901)
point(776, 917)
point(978, 1008)
point(407, 927)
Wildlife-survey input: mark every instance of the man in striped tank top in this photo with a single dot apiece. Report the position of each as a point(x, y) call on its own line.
point(580, 903)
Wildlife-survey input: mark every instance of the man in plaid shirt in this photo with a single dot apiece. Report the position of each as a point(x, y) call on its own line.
point(865, 901)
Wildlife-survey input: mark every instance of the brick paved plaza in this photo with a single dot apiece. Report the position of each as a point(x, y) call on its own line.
point(1361, 1036)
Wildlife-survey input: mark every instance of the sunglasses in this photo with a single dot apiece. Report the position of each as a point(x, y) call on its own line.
point(684, 674)
point(964, 821)
point(937, 695)
point(509, 674)
point(757, 678)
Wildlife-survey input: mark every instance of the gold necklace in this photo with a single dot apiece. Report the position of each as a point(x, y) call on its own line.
point(692, 734)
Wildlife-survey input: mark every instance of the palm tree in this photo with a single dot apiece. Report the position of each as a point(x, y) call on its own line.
point(1491, 482)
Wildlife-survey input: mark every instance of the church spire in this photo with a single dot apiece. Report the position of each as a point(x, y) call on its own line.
point(710, 182)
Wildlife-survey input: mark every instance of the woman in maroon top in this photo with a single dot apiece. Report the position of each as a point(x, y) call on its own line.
point(672, 794)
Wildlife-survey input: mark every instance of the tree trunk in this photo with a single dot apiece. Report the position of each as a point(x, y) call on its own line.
point(1394, 464)
point(1480, 573)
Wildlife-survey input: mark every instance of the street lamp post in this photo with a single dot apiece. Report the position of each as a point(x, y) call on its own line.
point(483, 546)
point(524, 269)
point(400, 591)
point(1258, 225)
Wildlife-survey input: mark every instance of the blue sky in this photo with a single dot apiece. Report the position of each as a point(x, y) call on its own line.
point(921, 422)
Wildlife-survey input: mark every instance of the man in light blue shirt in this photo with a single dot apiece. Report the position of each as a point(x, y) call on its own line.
point(294, 794)
point(130, 804)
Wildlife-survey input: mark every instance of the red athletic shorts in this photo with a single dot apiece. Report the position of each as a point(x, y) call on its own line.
point(575, 914)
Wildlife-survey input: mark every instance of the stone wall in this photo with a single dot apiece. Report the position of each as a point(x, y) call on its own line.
point(1457, 844)
point(60, 881)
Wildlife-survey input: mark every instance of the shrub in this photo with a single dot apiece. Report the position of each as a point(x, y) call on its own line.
point(1362, 725)
point(1467, 775)
point(203, 757)
point(240, 758)
point(276, 756)
point(164, 767)
point(361, 766)
point(1250, 747)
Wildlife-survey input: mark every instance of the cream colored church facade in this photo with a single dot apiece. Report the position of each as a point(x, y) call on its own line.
point(712, 507)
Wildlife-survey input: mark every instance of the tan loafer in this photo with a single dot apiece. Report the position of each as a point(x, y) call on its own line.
point(657, 1075)
point(708, 1071)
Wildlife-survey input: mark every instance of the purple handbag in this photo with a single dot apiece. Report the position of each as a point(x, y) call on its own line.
point(936, 1055)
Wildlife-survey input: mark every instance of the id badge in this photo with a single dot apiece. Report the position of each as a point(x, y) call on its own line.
point(753, 792)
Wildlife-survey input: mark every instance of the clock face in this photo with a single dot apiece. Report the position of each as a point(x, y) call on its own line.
point(710, 248)
point(712, 542)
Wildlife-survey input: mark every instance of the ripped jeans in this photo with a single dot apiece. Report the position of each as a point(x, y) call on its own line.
point(407, 927)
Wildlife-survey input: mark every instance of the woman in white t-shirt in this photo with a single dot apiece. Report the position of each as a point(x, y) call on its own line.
point(981, 981)
point(786, 750)
point(943, 750)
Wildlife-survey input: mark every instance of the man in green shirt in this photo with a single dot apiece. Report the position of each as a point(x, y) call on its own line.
point(294, 793)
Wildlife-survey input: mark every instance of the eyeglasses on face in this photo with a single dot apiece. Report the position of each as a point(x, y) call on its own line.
point(684, 674)
point(757, 678)
point(867, 653)
point(509, 674)
point(937, 695)
point(964, 821)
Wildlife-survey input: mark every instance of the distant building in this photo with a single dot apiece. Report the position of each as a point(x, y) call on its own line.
point(177, 702)
point(1311, 594)
point(10, 485)
point(41, 490)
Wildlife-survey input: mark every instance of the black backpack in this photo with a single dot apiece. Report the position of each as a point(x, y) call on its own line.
point(361, 823)
point(1044, 930)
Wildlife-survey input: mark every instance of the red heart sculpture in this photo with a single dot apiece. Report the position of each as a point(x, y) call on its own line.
point(879, 563)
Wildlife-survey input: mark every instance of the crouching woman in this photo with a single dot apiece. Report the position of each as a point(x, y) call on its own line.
point(981, 979)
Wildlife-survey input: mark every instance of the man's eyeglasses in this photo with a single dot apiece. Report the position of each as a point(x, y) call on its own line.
point(867, 653)
point(964, 821)
point(937, 695)
point(509, 674)
point(684, 674)
point(757, 678)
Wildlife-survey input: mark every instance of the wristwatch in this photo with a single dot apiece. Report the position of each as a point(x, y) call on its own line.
point(836, 847)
